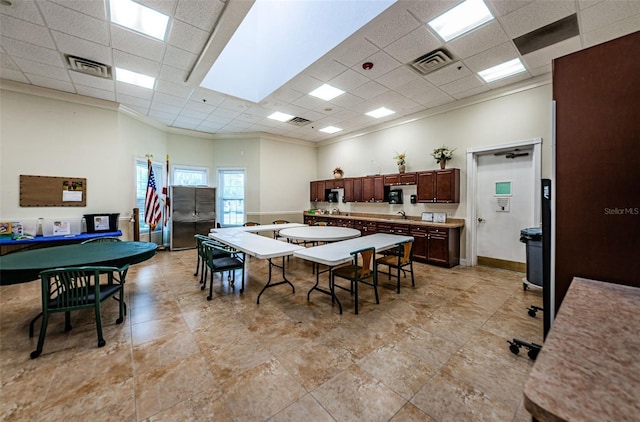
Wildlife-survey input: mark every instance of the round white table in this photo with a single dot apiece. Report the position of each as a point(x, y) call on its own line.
point(319, 233)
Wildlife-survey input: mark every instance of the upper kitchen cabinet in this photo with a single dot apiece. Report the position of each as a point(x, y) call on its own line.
point(439, 186)
point(316, 191)
point(400, 179)
point(352, 189)
point(373, 188)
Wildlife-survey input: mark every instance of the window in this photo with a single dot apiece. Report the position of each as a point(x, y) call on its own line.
point(142, 176)
point(231, 193)
point(189, 176)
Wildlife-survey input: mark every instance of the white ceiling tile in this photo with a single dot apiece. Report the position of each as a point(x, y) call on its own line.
point(325, 69)
point(167, 117)
point(95, 8)
point(200, 13)
point(25, 31)
point(198, 106)
point(13, 75)
point(349, 80)
point(92, 81)
point(420, 90)
point(542, 70)
point(437, 102)
point(611, 32)
point(483, 38)
point(217, 120)
point(79, 47)
point(165, 107)
point(397, 77)
point(303, 83)
point(470, 92)
point(133, 90)
point(346, 100)
point(193, 114)
point(179, 90)
point(206, 97)
point(52, 83)
point(369, 90)
point(172, 74)
point(426, 11)
point(7, 63)
point(187, 37)
point(608, 12)
point(245, 117)
point(137, 44)
point(83, 26)
point(162, 98)
point(135, 63)
point(382, 64)
point(545, 55)
point(189, 121)
point(508, 81)
point(448, 74)
point(233, 104)
point(353, 51)
point(413, 45)
point(210, 126)
point(494, 56)
point(287, 95)
point(395, 23)
point(140, 110)
point(133, 101)
point(179, 58)
point(226, 113)
point(35, 68)
point(95, 92)
point(462, 85)
point(535, 15)
point(310, 102)
point(167, 7)
point(583, 4)
point(23, 10)
point(33, 52)
point(504, 7)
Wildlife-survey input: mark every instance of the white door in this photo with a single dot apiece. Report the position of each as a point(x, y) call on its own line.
point(505, 201)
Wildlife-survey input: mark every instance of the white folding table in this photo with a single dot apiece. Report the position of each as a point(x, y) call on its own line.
point(333, 254)
point(261, 247)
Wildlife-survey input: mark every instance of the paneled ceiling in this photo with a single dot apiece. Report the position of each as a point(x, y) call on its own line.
point(37, 34)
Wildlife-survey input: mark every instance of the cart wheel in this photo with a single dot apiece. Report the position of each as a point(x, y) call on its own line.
point(532, 313)
point(524, 286)
point(533, 353)
point(515, 349)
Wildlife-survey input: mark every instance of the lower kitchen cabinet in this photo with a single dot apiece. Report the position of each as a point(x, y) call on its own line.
point(443, 246)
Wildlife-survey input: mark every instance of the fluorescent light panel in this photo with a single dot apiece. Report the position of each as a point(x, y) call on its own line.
point(330, 129)
point(326, 92)
point(461, 19)
point(139, 18)
point(506, 69)
point(281, 117)
point(380, 112)
point(278, 39)
point(129, 77)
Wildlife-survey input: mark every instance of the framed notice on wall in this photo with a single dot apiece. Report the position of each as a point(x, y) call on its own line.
point(48, 191)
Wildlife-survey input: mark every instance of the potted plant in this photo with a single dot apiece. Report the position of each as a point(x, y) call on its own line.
point(442, 155)
point(400, 161)
point(338, 173)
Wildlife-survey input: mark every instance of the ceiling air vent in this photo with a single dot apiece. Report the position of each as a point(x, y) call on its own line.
point(88, 67)
point(298, 121)
point(431, 61)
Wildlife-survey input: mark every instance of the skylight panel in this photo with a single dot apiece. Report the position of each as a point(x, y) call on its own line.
point(326, 92)
point(278, 39)
point(380, 112)
point(330, 129)
point(129, 77)
point(461, 19)
point(139, 18)
point(281, 117)
point(506, 69)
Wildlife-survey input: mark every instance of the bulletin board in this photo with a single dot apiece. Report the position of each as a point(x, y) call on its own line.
point(48, 191)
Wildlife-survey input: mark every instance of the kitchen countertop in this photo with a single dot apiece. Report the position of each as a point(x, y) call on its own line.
point(451, 223)
point(588, 368)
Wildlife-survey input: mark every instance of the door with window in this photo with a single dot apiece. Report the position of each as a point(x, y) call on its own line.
point(231, 191)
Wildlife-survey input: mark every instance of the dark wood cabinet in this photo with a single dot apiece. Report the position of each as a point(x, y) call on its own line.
point(373, 189)
point(400, 179)
point(334, 183)
point(443, 246)
point(316, 191)
point(366, 227)
point(439, 186)
point(419, 243)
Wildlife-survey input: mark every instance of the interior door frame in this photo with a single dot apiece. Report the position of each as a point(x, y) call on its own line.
point(472, 187)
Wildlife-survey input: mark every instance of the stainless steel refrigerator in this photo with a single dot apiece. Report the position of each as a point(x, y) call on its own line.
point(193, 211)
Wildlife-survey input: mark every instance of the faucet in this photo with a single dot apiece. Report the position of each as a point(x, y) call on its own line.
point(403, 214)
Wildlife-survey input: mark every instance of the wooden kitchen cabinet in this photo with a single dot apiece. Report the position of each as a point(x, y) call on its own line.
point(419, 243)
point(366, 227)
point(443, 246)
point(439, 186)
point(373, 188)
point(316, 191)
point(400, 179)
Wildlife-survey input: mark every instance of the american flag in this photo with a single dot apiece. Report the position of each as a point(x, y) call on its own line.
point(152, 213)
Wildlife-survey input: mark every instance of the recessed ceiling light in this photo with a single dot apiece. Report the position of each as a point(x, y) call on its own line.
point(139, 18)
point(461, 19)
point(503, 70)
point(381, 112)
point(330, 129)
point(326, 92)
point(129, 77)
point(281, 117)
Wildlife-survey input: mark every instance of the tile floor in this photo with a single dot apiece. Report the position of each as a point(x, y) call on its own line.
point(436, 352)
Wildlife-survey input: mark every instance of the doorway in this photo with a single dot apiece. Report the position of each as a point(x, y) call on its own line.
point(503, 197)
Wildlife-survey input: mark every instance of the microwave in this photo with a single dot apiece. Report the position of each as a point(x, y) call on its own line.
point(331, 195)
point(395, 196)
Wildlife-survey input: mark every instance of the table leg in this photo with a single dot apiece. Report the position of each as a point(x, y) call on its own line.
point(329, 292)
point(270, 284)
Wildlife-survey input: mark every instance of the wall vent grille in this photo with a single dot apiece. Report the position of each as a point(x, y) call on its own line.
point(432, 61)
point(88, 67)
